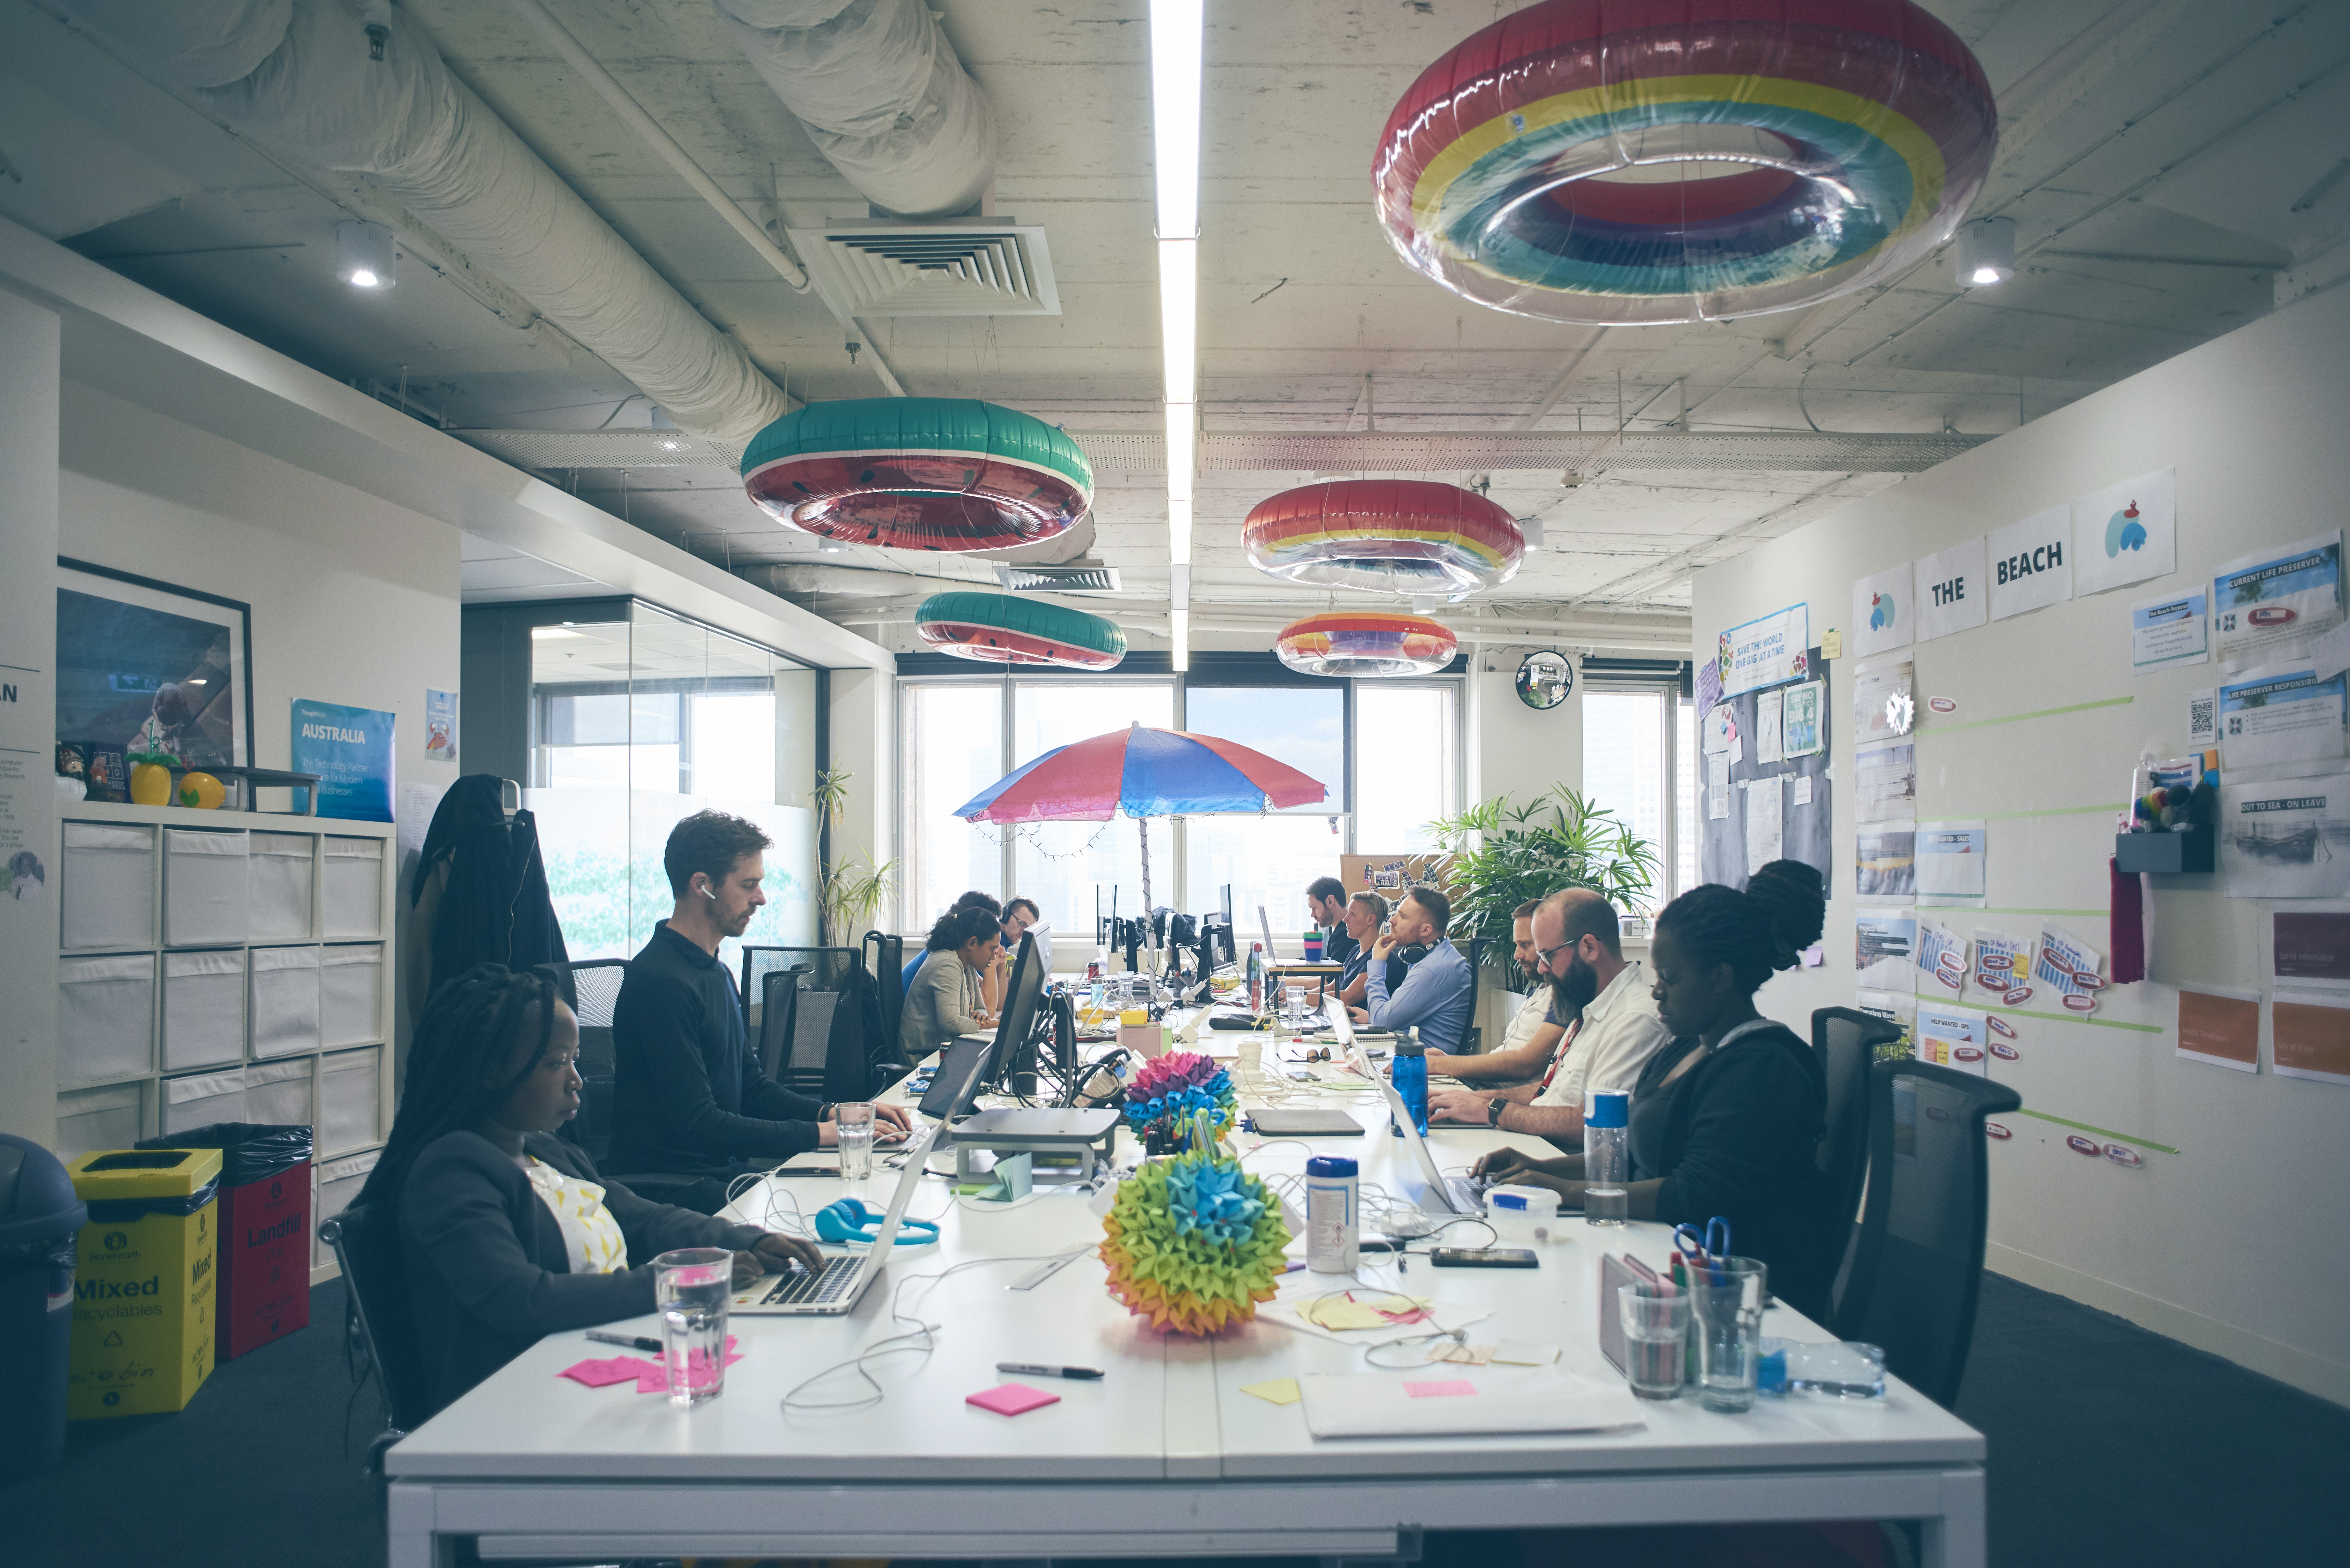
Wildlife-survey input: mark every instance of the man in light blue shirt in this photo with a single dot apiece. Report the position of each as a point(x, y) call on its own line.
point(1440, 993)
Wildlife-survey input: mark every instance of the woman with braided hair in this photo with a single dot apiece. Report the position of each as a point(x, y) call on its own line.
point(1727, 1119)
point(507, 1233)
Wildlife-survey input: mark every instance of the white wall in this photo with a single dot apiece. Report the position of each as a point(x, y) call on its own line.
point(2237, 1242)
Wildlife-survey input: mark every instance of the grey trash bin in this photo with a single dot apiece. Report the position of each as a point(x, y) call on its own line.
point(39, 1219)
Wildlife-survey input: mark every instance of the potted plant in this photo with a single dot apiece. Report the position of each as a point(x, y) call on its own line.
point(1497, 855)
point(853, 888)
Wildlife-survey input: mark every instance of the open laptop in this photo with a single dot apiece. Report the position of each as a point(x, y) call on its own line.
point(1457, 1194)
point(835, 1289)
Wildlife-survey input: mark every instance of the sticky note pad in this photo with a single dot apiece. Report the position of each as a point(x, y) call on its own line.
point(1011, 1399)
point(1518, 1353)
point(1275, 1391)
point(1446, 1389)
point(604, 1373)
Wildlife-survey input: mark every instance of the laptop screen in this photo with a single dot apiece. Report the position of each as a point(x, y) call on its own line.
point(958, 1076)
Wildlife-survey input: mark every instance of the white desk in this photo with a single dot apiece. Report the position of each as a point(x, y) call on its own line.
point(1163, 1457)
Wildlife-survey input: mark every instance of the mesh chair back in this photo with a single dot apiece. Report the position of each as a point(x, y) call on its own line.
point(885, 955)
point(1847, 1042)
point(834, 1030)
point(367, 1248)
point(778, 1012)
point(1916, 1261)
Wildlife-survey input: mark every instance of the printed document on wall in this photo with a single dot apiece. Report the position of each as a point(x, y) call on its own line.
point(1885, 945)
point(1941, 955)
point(1769, 713)
point(1767, 651)
point(2168, 631)
point(1801, 733)
point(2203, 720)
point(2275, 599)
point(1717, 786)
point(2310, 945)
point(2127, 535)
point(2029, 567)
point(2280, 714)
point(1884, 864)
point(2002, 963)
point(1890, 1007)
point(1951, 863)
point(2221, 1026)
point(2069, 966)
point(1953, 1037)
point(1884, 700)
point(2286, 838)
point(1884, 780)
point(1765, 821)
point(2309, 1036)
point(1883, 612)
point(1951, 592)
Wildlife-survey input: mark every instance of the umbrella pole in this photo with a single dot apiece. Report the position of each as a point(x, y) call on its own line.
point(1143, 825)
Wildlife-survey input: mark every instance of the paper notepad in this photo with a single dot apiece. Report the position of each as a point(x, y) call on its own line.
point(1011, 1399)
point(1381, 1405)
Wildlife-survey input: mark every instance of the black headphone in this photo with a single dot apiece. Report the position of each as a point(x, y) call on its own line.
point(1410, 955)
point(1098, 1084)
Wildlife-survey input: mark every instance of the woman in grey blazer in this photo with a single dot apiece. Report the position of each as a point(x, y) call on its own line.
point(945, 999)
point(509, 1233)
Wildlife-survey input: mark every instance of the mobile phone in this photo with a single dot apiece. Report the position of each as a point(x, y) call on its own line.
point(1484, 1258)
point(1302, 1077)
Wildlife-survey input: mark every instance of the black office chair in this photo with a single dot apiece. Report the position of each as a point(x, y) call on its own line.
point(382, 1331)
point(1847, 1042)
point(1916, 1263)
point(592, 989)
point(838, 1019)
point(779, 997)
point(885, 955)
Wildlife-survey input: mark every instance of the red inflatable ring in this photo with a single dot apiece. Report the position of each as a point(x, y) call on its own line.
point(1393, 535)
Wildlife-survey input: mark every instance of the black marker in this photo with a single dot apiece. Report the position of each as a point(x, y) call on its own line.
point(633, 1341)
point(1022, 1368)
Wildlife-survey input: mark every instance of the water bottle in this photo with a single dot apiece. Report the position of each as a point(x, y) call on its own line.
point(1333, 1219)
point(1256, 977)
point(1605, 1159)
point(1411, 1080)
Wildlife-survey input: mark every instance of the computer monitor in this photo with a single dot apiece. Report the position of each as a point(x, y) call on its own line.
point(1217, 949)
point(1016, 1027)
point(1264, 922)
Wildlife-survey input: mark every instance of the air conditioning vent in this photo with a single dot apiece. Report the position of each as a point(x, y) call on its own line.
point(930, 269)
point(1059, 579)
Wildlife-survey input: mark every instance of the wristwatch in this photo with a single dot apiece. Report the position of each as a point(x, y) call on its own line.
point(1494, 1108)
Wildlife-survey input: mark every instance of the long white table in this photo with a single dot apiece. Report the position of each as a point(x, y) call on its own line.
point(1163, 1457)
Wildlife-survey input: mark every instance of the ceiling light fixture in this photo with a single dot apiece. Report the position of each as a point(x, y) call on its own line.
point(549, 633)
point(364, 255)
point(1178, 62)
point(1986, 251)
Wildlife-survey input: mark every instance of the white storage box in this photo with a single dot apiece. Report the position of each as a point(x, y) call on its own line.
point(339, 1181)
point(348, 1095)
point(106, 1017)
point(284, 1001)
point(205, 891)
point(351, 995)
point(99, 1118)
point(203, 1009)
point(277, 899)
point(109, 898)
point(352, 887)
point(278, 1093)
point(189, 1103)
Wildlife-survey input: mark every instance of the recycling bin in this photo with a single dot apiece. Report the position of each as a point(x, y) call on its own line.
point(39, 1218)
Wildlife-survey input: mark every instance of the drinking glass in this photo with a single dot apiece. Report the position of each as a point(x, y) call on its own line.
point(692, 1286)
point(853, 1119)
point(1656, 1336)
point(1727, 1295)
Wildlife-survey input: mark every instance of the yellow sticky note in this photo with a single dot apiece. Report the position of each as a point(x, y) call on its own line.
point(1277, 1391)
point(1832, 644)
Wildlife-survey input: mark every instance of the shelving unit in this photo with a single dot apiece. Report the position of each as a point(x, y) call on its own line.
point(226, 966)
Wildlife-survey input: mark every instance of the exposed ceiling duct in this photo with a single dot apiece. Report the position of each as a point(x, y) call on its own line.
point(882, 94)
point(296, 76)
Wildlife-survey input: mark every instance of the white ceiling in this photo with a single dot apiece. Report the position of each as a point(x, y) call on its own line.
point(2152, 176)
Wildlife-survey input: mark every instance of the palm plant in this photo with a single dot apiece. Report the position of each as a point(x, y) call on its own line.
point(854, 888)
point(1497, 855)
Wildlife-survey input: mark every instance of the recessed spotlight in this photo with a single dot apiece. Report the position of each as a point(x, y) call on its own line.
point(549, 633)
point(672, 446)
point(364, 255)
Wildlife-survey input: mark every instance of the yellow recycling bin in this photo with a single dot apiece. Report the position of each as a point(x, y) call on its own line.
point(143, 1281)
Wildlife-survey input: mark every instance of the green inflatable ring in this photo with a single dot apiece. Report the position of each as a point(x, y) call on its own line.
point(1002, 629)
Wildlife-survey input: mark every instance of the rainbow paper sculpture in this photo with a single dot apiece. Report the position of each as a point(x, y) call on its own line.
point(1194, 1242)
point(1169, 1091)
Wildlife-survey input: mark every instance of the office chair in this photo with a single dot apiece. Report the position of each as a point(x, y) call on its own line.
point(779, 996)
point(382, 1331)
point(1847, 1042)
point(592, 989)
point(838, 1019)
point(1916, 1266)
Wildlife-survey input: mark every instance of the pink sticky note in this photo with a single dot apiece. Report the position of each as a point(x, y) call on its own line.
point(603, 1374)
point(653, 1376)
point(1011, 1399)
point(1446, 1389)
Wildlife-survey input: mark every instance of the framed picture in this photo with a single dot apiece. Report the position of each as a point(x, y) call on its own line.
point(131, 648)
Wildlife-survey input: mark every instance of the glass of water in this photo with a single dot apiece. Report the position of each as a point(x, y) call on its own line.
point(692, 1286)
point(854, 1120)
point(1727, 1295)
point(1656, 1339)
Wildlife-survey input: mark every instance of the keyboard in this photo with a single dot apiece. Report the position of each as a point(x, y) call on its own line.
point(1468, 1197)
point(829, 1284)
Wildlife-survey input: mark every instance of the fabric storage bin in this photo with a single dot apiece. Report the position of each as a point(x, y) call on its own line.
point(284, 1001)
point(352, 887)
point(351, 995)
point(108, 898)
point(201, 1101)
point(106, 1017)
point(277, 887)
point(203, 1009)
point(204, 877)
point(111, 1118)
point(339, 1181)
point(348, 1093)
point(278, 1093)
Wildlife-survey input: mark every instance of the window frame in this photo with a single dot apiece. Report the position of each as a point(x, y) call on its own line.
point(1670, 689)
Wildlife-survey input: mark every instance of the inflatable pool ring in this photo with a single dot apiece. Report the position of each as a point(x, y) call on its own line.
point(1648, 161)
point(1365, 643)
point(918, 473)
point(1395, 535)
point(1000, 629)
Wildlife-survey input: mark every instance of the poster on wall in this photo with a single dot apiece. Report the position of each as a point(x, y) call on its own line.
point(2272, 599)
point(1884, 864)
point(1884, 946)
point(2310, 945)
point(1884, 780)
point(1770, 717)
point(440, 725)
point(1941, 955)
point(2127, 535)
point(1769, 651)
point(1758, 808)
point(2280, 714)
point(1884, 700)
point(132, 651)
point(1891, 1007)
point(351, 750)
point(1953, 865)
point(2068, 967)
point(1766, 817)
point(1953, 1037)
point(1801, 733)
point(2220, 1027)
point(1951, 592)
point(1884, 613)
point(2309, 1036)
point(2029, 570)
point(2002, 963)
point(2168, 631)
point(2286, 838)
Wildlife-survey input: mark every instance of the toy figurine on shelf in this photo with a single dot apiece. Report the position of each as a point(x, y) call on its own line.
point(150, 766)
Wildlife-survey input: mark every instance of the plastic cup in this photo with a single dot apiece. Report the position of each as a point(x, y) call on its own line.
point(1656, 1337)
point(692, 1286)
point(1727, 1297)
point(853, 1119)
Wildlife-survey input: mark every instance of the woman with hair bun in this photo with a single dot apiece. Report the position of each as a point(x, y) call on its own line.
point(1727, 1119)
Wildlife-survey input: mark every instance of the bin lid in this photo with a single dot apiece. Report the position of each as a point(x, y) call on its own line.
point(109, 1174)
point(37, 1197)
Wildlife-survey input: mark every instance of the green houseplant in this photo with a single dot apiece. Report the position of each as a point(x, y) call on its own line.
point(1498, 855)
point(853, 887)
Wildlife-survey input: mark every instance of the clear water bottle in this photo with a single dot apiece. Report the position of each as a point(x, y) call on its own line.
point(1605, 1160)
point(1411, 1080)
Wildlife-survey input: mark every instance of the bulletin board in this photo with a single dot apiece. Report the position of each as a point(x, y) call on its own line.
point(1807, 830)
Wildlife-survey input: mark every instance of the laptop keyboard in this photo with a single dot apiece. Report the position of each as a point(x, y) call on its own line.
point(804, 1288)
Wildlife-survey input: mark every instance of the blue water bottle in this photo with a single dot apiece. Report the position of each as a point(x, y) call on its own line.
point(1411, 1080)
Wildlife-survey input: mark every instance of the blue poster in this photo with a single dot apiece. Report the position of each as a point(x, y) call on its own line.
point(350, 751)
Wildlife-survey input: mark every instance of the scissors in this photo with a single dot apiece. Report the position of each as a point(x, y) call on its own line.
point(1714, 1242)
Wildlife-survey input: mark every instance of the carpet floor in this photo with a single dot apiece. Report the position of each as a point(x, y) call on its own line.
point(2108, 1445)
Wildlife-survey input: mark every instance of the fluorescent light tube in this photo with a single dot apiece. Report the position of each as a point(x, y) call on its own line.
point(1178, 317)
point(1182, 455)
point(1178, 43)
point(1179, 538)
point(1182, 640)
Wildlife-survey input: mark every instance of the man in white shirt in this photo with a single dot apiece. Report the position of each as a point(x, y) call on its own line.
point(1616, 1028)
point(1534, 1033)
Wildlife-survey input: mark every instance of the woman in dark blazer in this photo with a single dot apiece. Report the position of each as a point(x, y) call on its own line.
point(508, 1233)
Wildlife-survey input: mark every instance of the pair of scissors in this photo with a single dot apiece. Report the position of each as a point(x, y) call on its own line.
point(1696, 1248)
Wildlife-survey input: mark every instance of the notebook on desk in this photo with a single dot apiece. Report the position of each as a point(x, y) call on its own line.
point(1303, 1121)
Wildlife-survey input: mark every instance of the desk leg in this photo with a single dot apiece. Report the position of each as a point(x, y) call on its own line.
point(409, 1513)
point(1958, 1537)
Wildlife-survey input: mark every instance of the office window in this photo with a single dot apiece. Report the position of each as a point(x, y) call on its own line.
point(1268, 859)
point(1406, 766)
point(953, 749)
point(1685, 823)
point(1625, 734)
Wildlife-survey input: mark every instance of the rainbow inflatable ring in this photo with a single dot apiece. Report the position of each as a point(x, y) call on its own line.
point(1646, 161)
point(1365, 643)
point(918, 473)
point(1393, 535)
point(999, 629)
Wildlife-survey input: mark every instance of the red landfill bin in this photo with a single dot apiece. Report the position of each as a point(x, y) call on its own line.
point(264, 1229)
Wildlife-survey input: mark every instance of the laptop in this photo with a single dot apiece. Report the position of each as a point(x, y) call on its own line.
point(1457, 1194)
point(834, 1290)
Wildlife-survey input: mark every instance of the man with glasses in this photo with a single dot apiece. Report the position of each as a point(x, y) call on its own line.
point(1615, 1027)
point(1535, 1029)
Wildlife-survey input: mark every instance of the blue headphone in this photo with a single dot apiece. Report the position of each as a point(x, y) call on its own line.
point(851, 1220)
